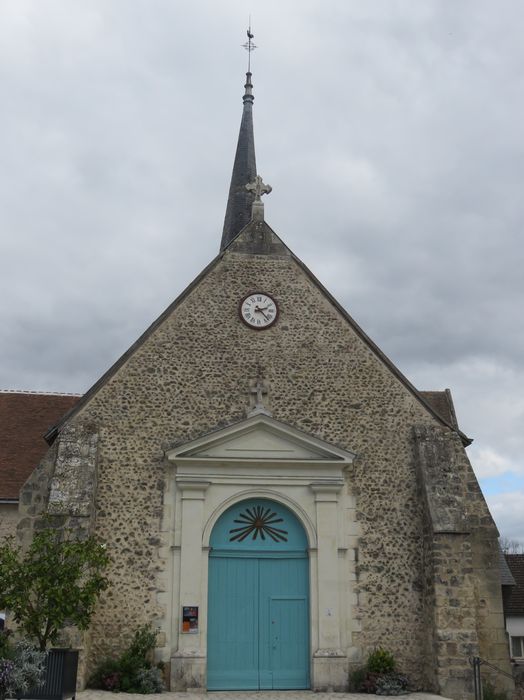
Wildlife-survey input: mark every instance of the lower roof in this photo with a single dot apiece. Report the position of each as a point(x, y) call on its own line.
point(24, 419)
point(514, 602)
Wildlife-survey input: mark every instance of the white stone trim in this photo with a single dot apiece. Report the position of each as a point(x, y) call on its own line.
point(291, 445)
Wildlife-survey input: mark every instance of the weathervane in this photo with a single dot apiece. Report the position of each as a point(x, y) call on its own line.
point(249, 46)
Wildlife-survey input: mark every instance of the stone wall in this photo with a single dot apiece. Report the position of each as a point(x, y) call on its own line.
point(192, 374)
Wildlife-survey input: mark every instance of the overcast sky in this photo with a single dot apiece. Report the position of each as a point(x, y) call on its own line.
point(390, 130)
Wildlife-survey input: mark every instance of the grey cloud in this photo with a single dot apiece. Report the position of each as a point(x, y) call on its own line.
point(389, 132)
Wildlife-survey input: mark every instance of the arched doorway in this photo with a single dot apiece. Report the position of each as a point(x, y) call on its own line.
point(258, 604)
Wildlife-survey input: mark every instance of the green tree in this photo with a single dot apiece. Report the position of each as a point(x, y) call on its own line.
point(55, 583)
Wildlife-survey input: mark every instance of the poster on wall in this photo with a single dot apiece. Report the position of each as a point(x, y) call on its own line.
point(190, 619)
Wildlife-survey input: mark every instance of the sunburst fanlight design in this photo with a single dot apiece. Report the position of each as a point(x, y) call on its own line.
point(258, 521)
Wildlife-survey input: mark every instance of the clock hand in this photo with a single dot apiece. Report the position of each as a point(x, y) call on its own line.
point(257, 308)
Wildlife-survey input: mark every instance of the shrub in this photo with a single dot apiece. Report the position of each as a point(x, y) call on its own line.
point(379, 676)
point(143, 643)
point(381, 661)
point(150, 680)
point(369, 684)
point(106, 676)
point(133, 671)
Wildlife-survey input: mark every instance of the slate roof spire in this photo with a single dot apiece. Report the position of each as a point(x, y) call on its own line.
point(240, 200)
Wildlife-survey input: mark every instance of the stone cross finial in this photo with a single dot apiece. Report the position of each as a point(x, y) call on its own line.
point(258, 188)
point(258, 392)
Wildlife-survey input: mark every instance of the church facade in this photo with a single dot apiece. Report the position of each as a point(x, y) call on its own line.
point(277, 498)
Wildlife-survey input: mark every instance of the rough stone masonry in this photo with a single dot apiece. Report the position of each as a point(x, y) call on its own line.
point(417, 541)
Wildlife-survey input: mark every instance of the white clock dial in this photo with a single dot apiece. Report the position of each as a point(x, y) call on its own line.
point(258, 310)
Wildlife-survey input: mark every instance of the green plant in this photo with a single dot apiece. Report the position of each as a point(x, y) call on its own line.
point(380, 661)
point(143, 643)
point(150, 680)
point(56, 582)
point(379, 676)
point(133, 671)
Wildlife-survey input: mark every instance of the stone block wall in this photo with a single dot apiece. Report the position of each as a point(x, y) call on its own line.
point(462, 565)
point(8, 520)
point(63, 485)
point(456, 638)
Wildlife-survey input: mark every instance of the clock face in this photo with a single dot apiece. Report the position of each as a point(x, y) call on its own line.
point(258, 310)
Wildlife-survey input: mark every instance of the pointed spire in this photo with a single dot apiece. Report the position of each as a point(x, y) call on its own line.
point(240, 200)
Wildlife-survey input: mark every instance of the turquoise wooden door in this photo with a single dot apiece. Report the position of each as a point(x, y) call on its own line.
point(258, 605)
point(287, 620)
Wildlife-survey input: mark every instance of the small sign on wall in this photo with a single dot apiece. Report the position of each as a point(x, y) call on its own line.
point(190, 619)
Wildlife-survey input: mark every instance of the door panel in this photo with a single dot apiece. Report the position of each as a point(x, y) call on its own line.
point(288, 639)
point(233, 647)
point(284, 623)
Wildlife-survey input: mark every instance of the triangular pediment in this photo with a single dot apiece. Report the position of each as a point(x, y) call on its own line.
point(260, 438)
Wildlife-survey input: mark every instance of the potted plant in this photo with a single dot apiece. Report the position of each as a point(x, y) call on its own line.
point(55, 583)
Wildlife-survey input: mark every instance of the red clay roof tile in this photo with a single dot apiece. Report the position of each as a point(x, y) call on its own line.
point(514, 604)
point(24, 418)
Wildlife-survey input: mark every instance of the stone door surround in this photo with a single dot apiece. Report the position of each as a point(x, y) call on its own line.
point(258, 458)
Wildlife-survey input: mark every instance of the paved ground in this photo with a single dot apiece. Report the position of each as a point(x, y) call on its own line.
point(244, 695)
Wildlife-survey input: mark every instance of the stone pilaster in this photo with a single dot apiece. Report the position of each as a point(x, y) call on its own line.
point(188, 665)
point(329, 660)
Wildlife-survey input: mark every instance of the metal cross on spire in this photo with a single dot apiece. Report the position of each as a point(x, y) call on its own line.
point(249, 46)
